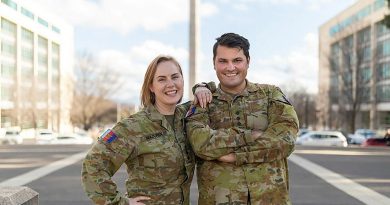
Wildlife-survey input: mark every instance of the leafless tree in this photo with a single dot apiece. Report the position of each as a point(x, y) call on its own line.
point(94, 85)
point(304, 104)
point(350, 72)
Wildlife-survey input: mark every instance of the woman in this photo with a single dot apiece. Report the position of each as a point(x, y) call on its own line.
point(152, 143)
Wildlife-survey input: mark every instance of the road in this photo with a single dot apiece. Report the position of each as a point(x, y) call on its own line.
point(318, 175)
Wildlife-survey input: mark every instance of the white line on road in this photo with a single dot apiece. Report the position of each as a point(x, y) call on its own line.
point(42, 171)
point(362, 193)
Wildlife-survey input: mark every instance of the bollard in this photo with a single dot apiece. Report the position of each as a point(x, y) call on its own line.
point(18, 195)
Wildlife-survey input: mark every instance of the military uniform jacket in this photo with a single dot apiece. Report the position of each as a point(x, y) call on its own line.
point(260, 174)
point(159, 159)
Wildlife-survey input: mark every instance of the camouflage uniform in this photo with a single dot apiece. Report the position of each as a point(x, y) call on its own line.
point(260, 174)
point(159, 159)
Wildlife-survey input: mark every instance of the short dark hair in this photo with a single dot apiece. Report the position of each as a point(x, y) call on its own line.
point(232, 40)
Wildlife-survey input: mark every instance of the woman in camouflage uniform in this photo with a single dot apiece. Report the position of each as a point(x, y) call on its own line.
point(152, 143)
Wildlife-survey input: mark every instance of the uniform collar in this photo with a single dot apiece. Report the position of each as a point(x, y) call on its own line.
point(221, 95)
point(154, 115)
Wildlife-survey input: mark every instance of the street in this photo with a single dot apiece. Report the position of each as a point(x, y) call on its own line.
point(361, 175)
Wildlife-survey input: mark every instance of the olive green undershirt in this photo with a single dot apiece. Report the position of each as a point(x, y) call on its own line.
point(170, 119)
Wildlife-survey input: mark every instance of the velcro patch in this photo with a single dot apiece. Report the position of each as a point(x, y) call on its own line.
point(108, 136)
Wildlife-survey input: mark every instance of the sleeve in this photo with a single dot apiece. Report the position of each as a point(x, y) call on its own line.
point(210, 85)
point(278, 140)
point(102, 161)
point(210, 144)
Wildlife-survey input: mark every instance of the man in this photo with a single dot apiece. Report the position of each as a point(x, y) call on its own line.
point(253, 124)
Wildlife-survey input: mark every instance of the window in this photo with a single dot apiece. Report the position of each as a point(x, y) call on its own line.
point(383, 48)
point(10, 3)
point(365, 75)
point(8, 70)
point(8, 27)
point(383, 71)
point(55, 29)
point(364, 35)
point(27, 36)
point(8, 48)
point(43, 22)
point(381, 29)
point(27, 13)
point(383, 93)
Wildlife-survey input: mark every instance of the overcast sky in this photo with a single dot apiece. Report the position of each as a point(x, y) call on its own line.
point(127, 34)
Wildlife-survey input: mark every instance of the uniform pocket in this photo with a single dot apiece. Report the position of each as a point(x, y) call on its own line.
point(257, 121)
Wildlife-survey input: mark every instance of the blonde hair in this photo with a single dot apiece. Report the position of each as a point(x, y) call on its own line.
point(147, 97)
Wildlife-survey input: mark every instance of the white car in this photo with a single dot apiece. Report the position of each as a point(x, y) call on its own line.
point(44, 136)
point(72, 138)
point(11, 137)
point(323, 138)
point(361, 135)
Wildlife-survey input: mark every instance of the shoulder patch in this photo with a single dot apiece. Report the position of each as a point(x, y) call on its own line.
point(108, 136)
point(191, 111)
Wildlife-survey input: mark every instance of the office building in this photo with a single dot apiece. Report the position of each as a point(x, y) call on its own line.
point(354, 73)
point(36, 68)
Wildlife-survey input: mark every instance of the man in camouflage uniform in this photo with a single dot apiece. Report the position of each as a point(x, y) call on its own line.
point(253, 123)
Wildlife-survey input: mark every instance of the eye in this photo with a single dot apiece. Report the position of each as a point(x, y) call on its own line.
point(160, 80)
point(237, 60)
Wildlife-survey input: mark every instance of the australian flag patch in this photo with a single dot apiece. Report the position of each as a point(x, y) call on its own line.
point(108, 136)
point(191, 111)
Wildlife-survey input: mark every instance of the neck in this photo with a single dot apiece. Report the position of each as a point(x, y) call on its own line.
point(235, 90)
point(165, 109)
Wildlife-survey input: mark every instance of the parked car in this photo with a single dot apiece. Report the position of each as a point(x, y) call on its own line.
point(376, 141)
point(72, 138)
point(11, 137)
point(44, 136)
point(323, 138)
point(302, 131)
point(360, 135)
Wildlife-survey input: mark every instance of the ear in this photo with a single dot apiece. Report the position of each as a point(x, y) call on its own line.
point(151, 88)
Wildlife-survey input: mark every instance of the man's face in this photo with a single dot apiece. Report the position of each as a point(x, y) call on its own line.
point(231, 67)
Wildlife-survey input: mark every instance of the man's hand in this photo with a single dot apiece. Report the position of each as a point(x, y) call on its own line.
point(256, 134)
point(203, 96)
point(136, 200)
point(229, 158)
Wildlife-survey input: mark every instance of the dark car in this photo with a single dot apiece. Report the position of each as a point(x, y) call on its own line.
point(376, 141)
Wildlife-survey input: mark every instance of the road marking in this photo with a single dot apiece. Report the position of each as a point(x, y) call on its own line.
point(30, 176)
point(340, 152)
point(361, 193)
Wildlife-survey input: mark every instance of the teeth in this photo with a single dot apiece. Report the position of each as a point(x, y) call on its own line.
point(231, 74)
point(171, 92)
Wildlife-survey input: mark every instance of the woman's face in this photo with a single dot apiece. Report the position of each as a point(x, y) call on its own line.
point(167, 84)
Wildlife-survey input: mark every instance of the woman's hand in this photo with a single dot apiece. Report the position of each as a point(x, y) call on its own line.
point(229, 158)
point(202, 96)
point(136, 200)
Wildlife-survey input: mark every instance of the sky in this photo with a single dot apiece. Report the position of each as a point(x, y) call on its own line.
point(125, 35)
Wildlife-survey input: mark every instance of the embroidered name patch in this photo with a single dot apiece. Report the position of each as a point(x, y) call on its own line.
point(108, 136)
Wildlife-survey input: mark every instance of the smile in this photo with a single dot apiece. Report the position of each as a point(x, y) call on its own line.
point(173, 92)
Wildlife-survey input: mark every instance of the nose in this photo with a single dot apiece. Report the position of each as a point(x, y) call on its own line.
point(170, 83)
point(230, 66)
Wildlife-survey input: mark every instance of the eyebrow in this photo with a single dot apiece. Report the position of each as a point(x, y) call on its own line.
point(163, 76)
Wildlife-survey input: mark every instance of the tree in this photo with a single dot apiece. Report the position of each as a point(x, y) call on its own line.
point(304, 105)
point(94, 85)
point(350, 72)
point(387, 17)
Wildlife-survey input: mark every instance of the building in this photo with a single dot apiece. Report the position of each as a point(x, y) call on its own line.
point(36, 68)
point(354, 74)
